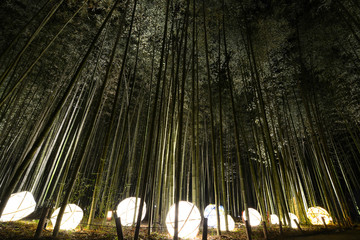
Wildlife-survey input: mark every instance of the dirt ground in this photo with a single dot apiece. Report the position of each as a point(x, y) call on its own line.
point(353, 234)
point(22, 230)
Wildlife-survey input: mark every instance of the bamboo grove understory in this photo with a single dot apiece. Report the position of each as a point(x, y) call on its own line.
point(237, 103)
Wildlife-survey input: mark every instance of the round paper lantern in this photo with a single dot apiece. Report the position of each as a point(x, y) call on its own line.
point(210, 214)
point(73, 215)
point(255, 217)
point(231, 223)
point(126, 210)
point(188, 222)
point(293, 217)
point(274, 219)
point(19, 205)
point(315, 214)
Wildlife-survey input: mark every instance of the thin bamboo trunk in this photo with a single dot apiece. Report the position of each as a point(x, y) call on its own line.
point(6, 192)
point(113, 111)
point(152, 127)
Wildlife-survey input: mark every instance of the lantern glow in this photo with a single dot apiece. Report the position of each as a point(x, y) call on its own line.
point(19, 205)
point(188, 222)
point(293, 217)
point(128, 210)
point(231, 223)
point(254, 215)
point(210, 214)
point(315, 214)
point(73, 215)
point(109, 215)
point(274, 219)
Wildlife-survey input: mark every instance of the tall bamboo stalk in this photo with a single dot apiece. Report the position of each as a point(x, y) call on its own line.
point(6, 192)
point(152, 126)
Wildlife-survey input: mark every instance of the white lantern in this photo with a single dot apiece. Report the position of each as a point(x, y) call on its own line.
point(19, 205)
point(210, 214)
point(274, 219)
point(315, 214)
point(231, 223)
point(73, 215)
point(255, 217)
point(188, 222)
point(128, 213)
point(293, 217)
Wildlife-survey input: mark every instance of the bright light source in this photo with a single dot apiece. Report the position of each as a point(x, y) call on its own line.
point(293, 217)
point(19, 205)
point(127, 212)
point(315, 214)
point(210, 214)
point(274, 219)
point(109, 215)
point(231, 223)
point(189, 220)
point(71, 218)
point(254, 215)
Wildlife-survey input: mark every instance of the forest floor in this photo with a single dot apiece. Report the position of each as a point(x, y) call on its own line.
point(22, 230)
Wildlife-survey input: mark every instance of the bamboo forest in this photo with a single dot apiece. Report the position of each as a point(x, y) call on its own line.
point(179, 119)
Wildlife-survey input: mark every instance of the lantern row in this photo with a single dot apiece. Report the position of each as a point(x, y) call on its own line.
point(22, 204)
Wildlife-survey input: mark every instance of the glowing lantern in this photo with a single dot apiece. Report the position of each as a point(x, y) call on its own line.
point(231, 223)
point(109, 215)
point(255, 217)
point(19, 205)
point(127, 212)
point(210, 214)
point(315, 214)
point(188, 222)
point(274, 219)
point(293, 217)
point(73, 215)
